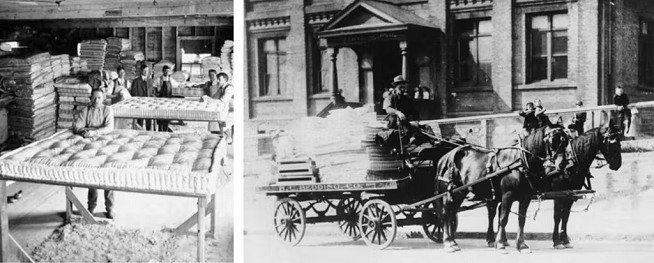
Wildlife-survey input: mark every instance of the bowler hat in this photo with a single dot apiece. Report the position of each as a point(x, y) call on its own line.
point(398, 80)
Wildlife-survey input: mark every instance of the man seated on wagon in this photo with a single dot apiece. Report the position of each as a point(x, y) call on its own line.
point(399, 106)
point(95, 120)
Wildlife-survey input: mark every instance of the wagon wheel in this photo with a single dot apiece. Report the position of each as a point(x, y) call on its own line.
point(290, 221)
point(433, 226)
point(378, 224)
point(349, 208)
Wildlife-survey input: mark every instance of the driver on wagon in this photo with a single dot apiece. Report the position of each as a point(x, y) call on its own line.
point(399, 106)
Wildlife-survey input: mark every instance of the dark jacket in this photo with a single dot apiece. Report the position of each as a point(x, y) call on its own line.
point(141, 88)
point(530, 121)
point(621, 100)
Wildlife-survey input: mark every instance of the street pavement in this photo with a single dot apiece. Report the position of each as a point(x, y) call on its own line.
point(617, 227)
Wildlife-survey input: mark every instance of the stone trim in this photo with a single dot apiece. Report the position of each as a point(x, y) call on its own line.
point(270, 24)
point(320, 18)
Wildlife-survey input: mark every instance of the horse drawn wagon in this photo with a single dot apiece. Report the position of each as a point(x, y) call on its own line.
point(416, 194)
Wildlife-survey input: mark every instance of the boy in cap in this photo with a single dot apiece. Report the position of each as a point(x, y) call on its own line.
point(578, 120)
point(621, 100)
point(529, 113)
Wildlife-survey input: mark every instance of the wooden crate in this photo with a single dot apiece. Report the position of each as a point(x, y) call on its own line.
point(296, 170)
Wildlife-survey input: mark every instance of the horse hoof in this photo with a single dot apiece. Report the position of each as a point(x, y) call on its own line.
point(524, 251)
point(559, 246)
point(449, 249)
point(568, 245)
point(491, 244)
point(456, 247)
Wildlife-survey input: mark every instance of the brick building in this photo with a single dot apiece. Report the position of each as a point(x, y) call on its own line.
point(474, 56)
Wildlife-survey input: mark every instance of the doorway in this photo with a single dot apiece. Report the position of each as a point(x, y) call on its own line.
point(387, 63)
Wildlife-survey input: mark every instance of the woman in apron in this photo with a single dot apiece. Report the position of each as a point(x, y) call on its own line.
point(119, 93)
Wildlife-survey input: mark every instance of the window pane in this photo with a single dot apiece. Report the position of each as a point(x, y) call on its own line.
point(485, 48)
point(283, 74)
point(539, 44)
point(643, 27)
point(465, 27)
point(271, 74)
point(560, 21)
point(281, 45)
point(269, 46)
point(325, 65)
point(485, 73)
point(540, 22)
point(485, 27)
point(560, 67)
point(559, 42)
point(539, 68)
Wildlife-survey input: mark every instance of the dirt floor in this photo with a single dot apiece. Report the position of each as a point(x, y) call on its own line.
point(105, 242)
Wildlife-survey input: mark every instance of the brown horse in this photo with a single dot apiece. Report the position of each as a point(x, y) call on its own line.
point(582, 151)
point(467, 164)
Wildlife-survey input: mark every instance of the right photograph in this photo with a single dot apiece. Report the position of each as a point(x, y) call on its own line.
point(386, 130)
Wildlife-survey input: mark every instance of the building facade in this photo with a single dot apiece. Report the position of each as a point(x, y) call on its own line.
point(473, 56)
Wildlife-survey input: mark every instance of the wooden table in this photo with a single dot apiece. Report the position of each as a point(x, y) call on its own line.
point(207, 205)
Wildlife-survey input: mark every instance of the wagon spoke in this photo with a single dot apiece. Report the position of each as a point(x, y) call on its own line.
point(366, 217)
point(383, 234)
point(293, 230)
point(285, 207)
point(368, 231)
point(387, 223)
point(277, 226)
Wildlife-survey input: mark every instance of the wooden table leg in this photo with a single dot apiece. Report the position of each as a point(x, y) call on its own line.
point(214, 216)
point(69, 207)
point(4, 224)
point(202, 205)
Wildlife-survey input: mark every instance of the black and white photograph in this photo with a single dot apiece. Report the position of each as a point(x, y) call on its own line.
point(448, 130)
point(116, 131)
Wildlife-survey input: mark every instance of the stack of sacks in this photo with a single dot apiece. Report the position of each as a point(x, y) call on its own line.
point(73, 93)
point(114, 47)
point(94, 52)
point(60, 65)
point(227, 57)
point(128, 60)
point(335, 143)
point(209, 63)
point(158, 68)
point(32, 115)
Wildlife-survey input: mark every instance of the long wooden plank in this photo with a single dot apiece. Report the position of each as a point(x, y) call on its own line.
point(82, 209)
point(192, 221)
point(20, 253)
point(4, 224)
point(213, 210)
point(202, 205)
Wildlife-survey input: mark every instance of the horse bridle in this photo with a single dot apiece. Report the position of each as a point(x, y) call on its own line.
point(551, 155)
point(608, 138)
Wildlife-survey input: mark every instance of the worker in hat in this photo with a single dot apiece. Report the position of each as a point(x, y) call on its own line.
point(398, 105)
point(578, 120)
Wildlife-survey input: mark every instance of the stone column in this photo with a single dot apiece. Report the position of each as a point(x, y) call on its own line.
point(297, 66)
point(336, 97)
point(502, 75)
point(403, 47)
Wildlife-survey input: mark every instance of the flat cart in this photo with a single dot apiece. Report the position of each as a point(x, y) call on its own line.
point(299, 204)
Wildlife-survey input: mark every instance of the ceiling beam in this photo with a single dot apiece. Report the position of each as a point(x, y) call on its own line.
point(196, 20)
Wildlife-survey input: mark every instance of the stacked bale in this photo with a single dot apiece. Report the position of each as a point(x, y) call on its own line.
point(227, 57)
point(32, 115)
point(78, 65)
point(113, 54)
point(60, 65)
point(73, 93)
point(209, 63)
point(129, 60)
point(93, 51)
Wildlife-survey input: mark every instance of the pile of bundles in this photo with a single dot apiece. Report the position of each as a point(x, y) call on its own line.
point(74, 93)
point(129, 60)
point(158, 68)
point(209, 63)
point(78, 65)
point(227, 57)
point(93, 51)
point(32, 115)
point(114, 47)
point(60, 65)
point(335, 143)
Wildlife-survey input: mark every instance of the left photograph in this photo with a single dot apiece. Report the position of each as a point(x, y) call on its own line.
point(116, 127)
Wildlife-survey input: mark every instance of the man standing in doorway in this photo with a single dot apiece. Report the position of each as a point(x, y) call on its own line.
point(95, 120)
point(218, 88)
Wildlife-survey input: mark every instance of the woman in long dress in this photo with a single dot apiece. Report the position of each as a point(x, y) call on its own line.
point(120, 92)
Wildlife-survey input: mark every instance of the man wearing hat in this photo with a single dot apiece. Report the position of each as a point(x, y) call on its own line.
point(398, 105)
point(578, 120)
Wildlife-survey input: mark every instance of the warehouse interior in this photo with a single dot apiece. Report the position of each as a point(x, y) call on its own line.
point(49, 52)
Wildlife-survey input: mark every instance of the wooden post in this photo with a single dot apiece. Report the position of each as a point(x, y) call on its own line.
point(214, 216)
point(335, 93)
point(202, 204)
point(4, 224)
point(69, 207)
